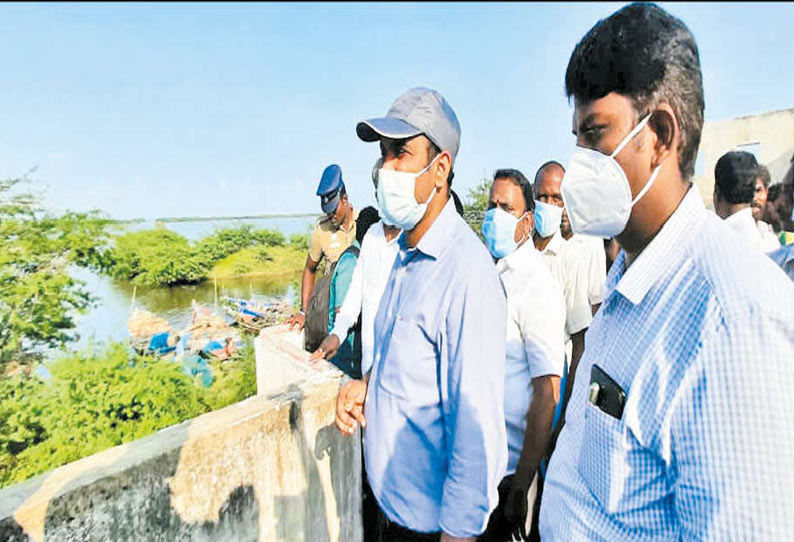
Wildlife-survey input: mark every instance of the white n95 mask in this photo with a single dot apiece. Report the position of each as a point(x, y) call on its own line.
point(398, 206)
point(596, 191)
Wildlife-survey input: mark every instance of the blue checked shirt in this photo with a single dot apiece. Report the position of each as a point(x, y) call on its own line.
point(435, 444)
point(699, 333)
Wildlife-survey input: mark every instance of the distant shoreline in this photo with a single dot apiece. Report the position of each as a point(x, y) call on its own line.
point(167, 220)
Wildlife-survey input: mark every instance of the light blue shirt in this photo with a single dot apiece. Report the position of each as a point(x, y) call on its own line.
point(784, 257)
point(699, 333)
point(435, 444)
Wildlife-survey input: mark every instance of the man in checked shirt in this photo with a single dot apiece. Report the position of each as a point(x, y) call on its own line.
point(681, 421)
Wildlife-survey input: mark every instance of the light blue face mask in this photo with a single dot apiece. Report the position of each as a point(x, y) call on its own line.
point(499, 230)
point(548, 218)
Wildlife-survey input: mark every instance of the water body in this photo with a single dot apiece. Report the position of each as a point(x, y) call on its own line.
point(108, 318)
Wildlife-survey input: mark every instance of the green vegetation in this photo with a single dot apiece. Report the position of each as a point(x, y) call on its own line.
point(259, 261)
point(99, 398)
point(38, 298)
point(159, 257)
point(104, 396)
point(476, 204)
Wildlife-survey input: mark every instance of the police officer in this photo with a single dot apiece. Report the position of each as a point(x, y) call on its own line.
point(331, 236)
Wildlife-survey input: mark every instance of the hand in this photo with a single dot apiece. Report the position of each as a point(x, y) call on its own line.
point(327, 348)
point(350, 406)
point(447, 538)
point(298, 320)
point(516, 510)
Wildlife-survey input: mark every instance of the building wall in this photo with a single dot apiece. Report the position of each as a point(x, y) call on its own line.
point(270, 468)
point(774, 131)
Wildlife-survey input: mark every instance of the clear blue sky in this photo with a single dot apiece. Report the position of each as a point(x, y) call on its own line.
point(173, 110)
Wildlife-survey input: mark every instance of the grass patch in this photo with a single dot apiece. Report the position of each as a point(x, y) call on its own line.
point(260, 261)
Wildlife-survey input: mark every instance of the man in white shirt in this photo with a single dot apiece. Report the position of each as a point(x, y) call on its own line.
point(593, 251)
point(768, 238)
point(565, 263)
point(378, 250)
point(734, 188)
point(534, 351)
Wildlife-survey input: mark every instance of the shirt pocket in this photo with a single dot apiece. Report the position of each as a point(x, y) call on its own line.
point(604, 457)
point(410, 368)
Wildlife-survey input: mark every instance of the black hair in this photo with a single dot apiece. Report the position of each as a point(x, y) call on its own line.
point(366, 218)
point(735, 175)
point(774, 192)
point(457, 202)
point(644, 53)
point(523, 183)
point(763, 174)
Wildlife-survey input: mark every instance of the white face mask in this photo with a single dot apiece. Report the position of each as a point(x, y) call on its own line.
point(596, 191)
point(398, 206)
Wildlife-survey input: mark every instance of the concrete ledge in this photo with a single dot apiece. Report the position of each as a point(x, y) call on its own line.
point(270, 468)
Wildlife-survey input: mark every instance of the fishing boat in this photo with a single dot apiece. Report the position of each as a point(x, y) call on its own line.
point(255, 315)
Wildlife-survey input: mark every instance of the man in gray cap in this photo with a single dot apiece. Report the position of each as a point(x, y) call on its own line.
point(435, 445)
point(332, 235)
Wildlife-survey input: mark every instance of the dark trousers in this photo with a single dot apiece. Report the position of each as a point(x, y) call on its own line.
point(392, 532)
point(499, 529)
point(369, 507)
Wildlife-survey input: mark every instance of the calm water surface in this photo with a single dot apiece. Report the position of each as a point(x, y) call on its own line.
point(108, 318)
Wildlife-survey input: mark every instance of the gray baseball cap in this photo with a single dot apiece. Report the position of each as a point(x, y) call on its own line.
point(417, 111)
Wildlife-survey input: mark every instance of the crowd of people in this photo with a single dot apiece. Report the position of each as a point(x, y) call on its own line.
point(612, 363)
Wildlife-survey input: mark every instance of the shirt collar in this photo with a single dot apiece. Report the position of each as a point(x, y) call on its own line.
point(438, 237)
point(382, 233)
point(660, 254)
point(556, 243)
point(515, 259)
point(741, 217)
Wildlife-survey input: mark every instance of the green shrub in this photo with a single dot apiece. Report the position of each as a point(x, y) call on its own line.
point(270, 238)
point(160, 257)
point(299, 240)
point(155, 257)
point(103, 397)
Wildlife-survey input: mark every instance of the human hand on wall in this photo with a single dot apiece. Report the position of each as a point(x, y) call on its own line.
point(327, 348)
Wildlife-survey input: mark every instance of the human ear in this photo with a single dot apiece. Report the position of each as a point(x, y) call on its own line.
point(442, 168)
point(664, 125)
point(524, 227)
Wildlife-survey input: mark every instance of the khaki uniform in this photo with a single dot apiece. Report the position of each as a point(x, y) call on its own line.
point(330, 242)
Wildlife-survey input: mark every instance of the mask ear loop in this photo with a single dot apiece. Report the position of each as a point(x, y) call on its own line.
point(647, 185)
point(523, 238)
point(630, 136)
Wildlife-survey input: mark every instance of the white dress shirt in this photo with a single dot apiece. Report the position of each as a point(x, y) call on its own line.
point(592, 251)
point(570, 270)
point(366, 288)
point(535, 343)
point(769, 240)
point(743, 223)
point(699, 334)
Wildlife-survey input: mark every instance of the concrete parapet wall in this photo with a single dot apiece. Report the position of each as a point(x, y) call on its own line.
point(270, 468)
